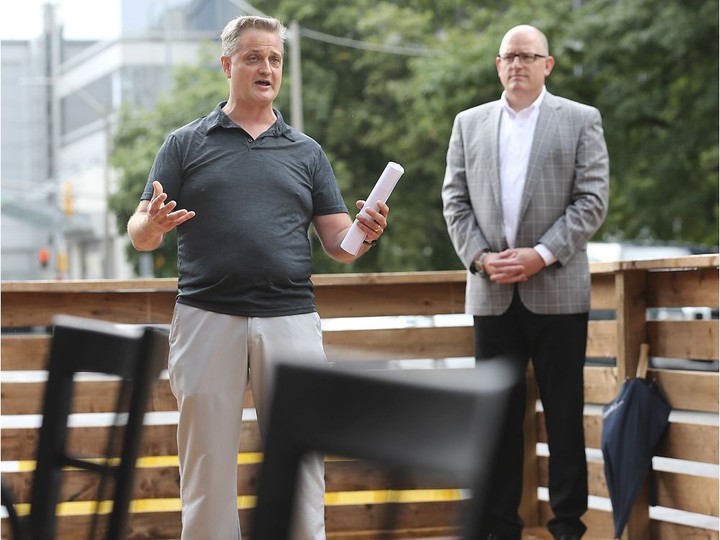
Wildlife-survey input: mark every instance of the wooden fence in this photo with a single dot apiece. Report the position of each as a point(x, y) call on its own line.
point(358, 496)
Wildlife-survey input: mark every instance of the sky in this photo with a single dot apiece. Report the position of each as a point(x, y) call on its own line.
point(83, 19)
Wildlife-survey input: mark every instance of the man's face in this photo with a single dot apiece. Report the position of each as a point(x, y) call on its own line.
point(255, 70)
point(520, 79)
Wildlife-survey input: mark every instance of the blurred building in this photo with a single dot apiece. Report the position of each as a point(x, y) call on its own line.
point(60, 103)
point(25, 164)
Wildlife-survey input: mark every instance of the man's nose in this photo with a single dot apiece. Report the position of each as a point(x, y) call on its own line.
point(516, 58)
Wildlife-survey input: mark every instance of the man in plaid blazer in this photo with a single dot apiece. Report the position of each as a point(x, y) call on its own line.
point(525, 188)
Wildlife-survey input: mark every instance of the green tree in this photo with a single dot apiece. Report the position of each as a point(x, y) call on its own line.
point(652, 68)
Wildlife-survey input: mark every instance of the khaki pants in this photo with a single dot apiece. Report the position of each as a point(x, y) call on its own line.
point(211, 355)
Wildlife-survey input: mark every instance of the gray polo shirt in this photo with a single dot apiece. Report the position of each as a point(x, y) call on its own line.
point(246, 252)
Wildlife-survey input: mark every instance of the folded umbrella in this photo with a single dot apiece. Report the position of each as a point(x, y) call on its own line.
point(633, 425)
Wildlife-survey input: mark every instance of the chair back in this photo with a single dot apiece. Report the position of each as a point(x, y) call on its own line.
point(134, 354)
point(444, 423)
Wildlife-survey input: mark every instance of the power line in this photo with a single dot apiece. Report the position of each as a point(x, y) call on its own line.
point(248, 8)
point(346, 42)
point(376, 47)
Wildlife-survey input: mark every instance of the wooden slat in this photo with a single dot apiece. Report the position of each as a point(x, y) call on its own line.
point(696, 288)
point(160, 525)
point(599, 384)
point(95, 286)
point(600, 527)
point(150, 483)
point(88, 397)
point(630, 292)
point(602, 339)
point(677, 490)
point(529, 497)
point(158, 440)
point(399, 343)
point(21, 309)
point(412, 520)
point(602, 292)
point(358, 475)
point(685, 492)
point(328, 281)
point(688, 390)
point(24, 352)
point(696, 340)
point(385, 300)
point(689, 262)
point(666, 530)
point(426, 533)
point(378, 517)
point(691, 442)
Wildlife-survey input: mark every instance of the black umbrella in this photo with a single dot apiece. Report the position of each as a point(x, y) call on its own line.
point(633, 424)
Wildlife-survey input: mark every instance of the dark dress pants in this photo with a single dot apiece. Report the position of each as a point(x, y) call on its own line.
point(556, 344)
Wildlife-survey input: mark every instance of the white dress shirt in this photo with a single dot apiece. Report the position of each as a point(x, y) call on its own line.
point(517, 131)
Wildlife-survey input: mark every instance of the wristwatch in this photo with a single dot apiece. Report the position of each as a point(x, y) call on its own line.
point(479, 264)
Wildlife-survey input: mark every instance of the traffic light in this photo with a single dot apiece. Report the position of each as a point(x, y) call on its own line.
point(43, 257)
point(62, 262)
point(68, 199)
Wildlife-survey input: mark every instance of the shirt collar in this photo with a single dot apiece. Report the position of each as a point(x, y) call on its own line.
point(218, 119)
point(534, 105)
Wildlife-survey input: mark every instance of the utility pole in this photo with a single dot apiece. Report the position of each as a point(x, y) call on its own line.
point(53, 43)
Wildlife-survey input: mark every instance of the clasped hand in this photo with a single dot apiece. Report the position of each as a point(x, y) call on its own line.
point(513, 265)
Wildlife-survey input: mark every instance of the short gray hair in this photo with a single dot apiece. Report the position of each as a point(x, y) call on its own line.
point(231, 34)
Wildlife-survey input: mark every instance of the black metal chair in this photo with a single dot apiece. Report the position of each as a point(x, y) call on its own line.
point(134, 354)
point(443, 423)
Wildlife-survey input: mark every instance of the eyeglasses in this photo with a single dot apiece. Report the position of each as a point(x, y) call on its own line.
point(525, 58)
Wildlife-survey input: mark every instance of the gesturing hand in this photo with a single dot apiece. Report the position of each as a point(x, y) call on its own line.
point(163, 216)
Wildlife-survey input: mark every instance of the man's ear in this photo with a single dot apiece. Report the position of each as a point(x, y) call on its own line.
point(225, 63)
point(549, 65)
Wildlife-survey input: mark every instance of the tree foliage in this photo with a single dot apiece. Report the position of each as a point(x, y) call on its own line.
point(655, 77)
point(650, 67)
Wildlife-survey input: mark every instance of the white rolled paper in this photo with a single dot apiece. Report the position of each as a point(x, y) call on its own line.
point(381, 192)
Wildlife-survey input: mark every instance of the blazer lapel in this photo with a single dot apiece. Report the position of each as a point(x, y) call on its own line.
point(493, 121)
point(545, 132)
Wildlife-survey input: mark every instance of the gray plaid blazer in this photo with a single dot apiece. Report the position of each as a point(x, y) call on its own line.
point(564, 202)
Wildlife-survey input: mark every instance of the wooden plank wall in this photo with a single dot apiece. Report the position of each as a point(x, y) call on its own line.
point(359, 496)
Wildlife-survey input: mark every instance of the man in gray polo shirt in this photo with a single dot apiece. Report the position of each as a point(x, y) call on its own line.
point(242, 187)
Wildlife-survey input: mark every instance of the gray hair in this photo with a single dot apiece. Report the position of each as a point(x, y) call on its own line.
point(231, 34)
